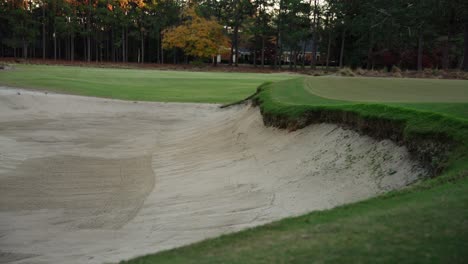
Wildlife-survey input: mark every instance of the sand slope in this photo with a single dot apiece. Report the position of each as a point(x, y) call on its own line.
point(87, 180)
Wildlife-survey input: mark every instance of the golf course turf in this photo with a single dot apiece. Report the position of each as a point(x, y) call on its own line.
point(426, 222)
point(138, 85)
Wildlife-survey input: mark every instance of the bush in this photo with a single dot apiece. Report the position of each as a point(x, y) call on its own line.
point(395, 69)
point(461, 75)
point(317, 74)
point(361, 71)
point(397, 74)
point(346, 72)
point(197, 63)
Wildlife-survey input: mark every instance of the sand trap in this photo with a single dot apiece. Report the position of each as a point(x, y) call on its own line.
point(87, 180)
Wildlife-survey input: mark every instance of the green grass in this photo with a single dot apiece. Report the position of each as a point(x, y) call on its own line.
point(136, 84)
point(426, 223)
point(401, 90)
point(426, 95)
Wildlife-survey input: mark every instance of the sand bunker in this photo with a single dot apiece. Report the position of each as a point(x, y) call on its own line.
point(87, 180)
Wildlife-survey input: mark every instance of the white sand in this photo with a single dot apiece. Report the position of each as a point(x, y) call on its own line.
point(87, 180)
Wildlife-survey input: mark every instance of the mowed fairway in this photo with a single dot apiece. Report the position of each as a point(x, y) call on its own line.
point(137, 84)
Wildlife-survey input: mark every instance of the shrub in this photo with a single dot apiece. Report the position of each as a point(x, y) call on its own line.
point(197, 63)
point(395, 69)
point(361, 71)
point(317, 73)
point(397, 74)
point(346, 72)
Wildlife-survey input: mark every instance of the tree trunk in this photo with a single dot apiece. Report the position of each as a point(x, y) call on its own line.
point(295, 60)
point(112, 47)
point(255, 51)
point(55, 45)
point(303, 56)
point(84, 49)
point(67, 48)
point(126, 44)
point(465, 52)
point(343, 36)
point(158, 52)
point(446, 50)
point(88, 41)
point(236, 33)
point(277, 60)
point(162, 55)
point(142, 48)
point(88, 26)
point(314, 38)
point(263, 51)
point(72, 43)
point(96, 45)
point(278, 36)
point(231, 59)
point(445, 54)
point(328, 50)
point(280, 56)
point(369, 51)
point(123, 44)
point(162, 49)
point(43, 32)
point(420, 51)
point(25, 50)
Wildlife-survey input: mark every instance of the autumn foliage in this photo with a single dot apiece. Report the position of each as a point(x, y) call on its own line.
point(197, 36)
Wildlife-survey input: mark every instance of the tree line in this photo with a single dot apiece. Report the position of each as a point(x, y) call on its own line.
point(411, 34)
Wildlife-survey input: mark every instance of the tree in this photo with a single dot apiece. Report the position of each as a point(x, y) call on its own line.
point(21, 26)
point(197, 36)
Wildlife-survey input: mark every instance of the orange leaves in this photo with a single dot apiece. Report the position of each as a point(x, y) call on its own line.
point(21, 4)
point(197, 36)
point(125, 3)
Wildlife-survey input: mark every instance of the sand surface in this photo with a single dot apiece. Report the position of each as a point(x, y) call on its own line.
point(88, 180)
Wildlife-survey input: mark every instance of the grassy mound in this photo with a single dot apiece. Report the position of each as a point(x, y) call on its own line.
point(423, 223)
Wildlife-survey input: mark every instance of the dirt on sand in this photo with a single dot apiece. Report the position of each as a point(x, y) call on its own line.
point(88, 180)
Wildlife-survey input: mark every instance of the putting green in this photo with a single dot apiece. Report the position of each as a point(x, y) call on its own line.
point(422, 95)
point(402, 90)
